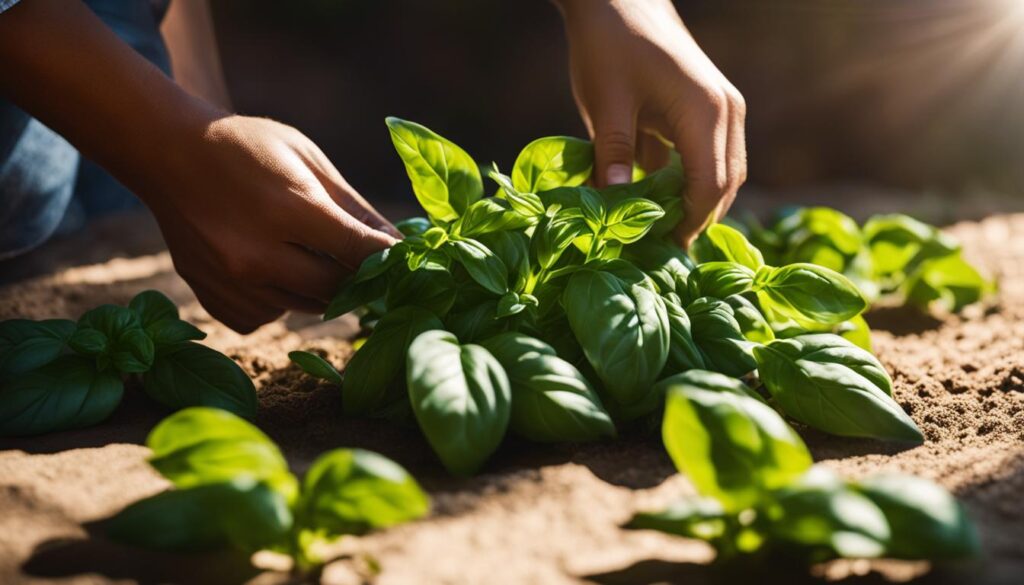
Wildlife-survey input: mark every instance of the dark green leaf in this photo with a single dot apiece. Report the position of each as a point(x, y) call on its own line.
point(189, 374)
point(719, 280)
point(482, 265)
point(431, 287)
point(809, 294)
point(26, 345)
point(461, 398)
point(719, 337)
point(752, 323)
point(413, 226)
point(315, 366)
point(683, 353)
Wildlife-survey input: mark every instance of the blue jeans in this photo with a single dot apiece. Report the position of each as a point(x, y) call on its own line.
point(46, 186)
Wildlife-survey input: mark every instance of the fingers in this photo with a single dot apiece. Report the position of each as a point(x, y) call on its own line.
point(348, 198)
point(652, 153)
point(614, 128)
point(702, 137)
point(234, 308)
point(736, 149)
point(330, 229)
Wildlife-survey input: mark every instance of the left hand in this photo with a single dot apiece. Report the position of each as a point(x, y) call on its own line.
point(641, 84)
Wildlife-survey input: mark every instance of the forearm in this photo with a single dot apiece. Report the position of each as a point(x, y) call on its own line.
point(63, 66)
point(188, 32)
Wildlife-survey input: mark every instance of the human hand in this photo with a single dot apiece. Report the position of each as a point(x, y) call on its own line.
point(642, 83)
point(258, 221)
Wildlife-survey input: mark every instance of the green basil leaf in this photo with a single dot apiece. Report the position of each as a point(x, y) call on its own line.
point(430, 287)
point(66, 393)
point(629, 220)
point(202, 446)
point(413, 226)
point(828, 383)
point(524, 203)
point(820, 513)
point(133, 352)
point(158, 316)
point(554, 161)
point(719, 338)
point(352, 491)
point(622, 325)
point(513, 248)
point(315, 366)
point(926, 521)
point(445, 179)
point(752, 323)
point(483, 266)
point(732, 447)
point(189, 374)
point(664, 187)
point(724, 243)
point(894, 240)
point(701, 518)
point(809, 294)
point(26, 345)
point(719, 280)
point(354, 295)
point(491, 215)
point(554, 235)
point(374, 375)
point(664, 261)
point(89, 342)
point(856, 331)
point(949, 282)
point(683, 353)
point(128, 348)
point(551, 400)
point(243, 513)
point(826, 225)
point(461, 398)
point(477, 322)
point(509, 304)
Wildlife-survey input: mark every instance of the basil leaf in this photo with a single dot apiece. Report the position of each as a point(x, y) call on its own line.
point(719, 280)
point(665, 262)
point(895, 240)
point(508, 305)
point(66, 393)
point(821, 513)
point(243, 513)
point(189, 374)
point(925, 520)
point(354, 295)
point(819, 224)
point(491, 215)
point(524, 203)
point(445, 179)
point(856, 331)
point(352, 491)
point(554, 235)
point(622, 325)
point(719, 338)
point(374, 374)
point(683, 353)
point(315, 366)
point(430, 287)
point(461, 398)
point(752, 323)
point(158, 316)
point(127, 346)
point(701, 518)
point(554, 161)
point(809, 294)
point(732, 447)
point(482, 265)
point(949, 282)
point(413, 226)
point(722, 243)
point(89, 342)
point(629, 220)
point(664, 187)
point(513, 249)
point(202, 446)
point(828, 383)
point(26, 345)
point(551, 400)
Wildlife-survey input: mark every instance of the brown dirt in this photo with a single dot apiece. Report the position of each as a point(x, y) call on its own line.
point(537, 514)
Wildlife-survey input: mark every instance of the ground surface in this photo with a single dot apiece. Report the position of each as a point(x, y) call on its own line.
point(537, 514)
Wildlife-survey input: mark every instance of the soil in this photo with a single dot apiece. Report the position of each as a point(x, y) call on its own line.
point(536, 514)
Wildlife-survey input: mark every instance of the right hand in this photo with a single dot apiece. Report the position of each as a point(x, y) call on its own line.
point(258, 221)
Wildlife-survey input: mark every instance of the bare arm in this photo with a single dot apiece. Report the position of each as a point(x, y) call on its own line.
point(195, 60)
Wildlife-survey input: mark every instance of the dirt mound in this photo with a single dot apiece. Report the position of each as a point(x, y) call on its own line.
point(537, 514)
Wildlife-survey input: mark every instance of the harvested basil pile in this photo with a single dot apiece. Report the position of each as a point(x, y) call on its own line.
point(758, 493)
point(892, 255)
point(558, 311)
point(57, 374)
point(233, 488)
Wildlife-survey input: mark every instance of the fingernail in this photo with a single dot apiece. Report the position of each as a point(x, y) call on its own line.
point(618, 174)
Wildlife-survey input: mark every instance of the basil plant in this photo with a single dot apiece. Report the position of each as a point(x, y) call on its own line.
point(549, 309)
point(59, 374)
point(232, 489)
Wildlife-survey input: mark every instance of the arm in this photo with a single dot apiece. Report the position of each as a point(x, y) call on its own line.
point(256, 218)
point(641, 83)
point(195, 61)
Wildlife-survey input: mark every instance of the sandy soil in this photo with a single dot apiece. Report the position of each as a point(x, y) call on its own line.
point(537, 514)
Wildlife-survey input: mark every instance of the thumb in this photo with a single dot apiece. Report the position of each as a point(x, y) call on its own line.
point(614, 144)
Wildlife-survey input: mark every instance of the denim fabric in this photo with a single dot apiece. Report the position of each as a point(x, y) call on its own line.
point(45, 185)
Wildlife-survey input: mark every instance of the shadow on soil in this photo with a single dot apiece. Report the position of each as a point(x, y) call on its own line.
point(903, 320)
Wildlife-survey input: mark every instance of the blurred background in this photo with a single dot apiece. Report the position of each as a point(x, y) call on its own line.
point(916, 96)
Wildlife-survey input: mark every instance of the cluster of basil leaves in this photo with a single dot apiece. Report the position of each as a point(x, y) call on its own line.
point(233, 488)
point(892, 255)
point(758, 493)
point(557, 311)
point(59, 374)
